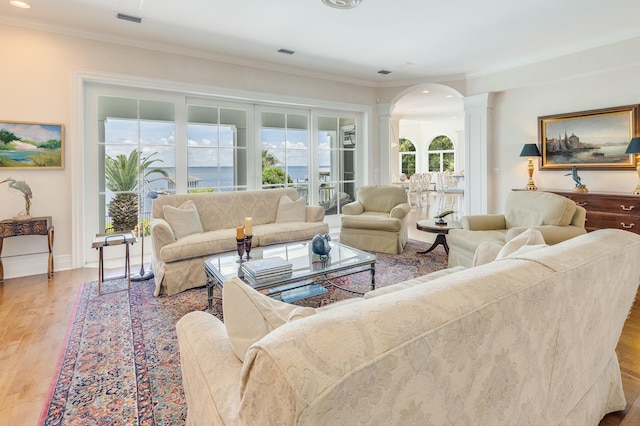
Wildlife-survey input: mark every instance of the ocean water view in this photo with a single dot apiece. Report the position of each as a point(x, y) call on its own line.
point(223, 176)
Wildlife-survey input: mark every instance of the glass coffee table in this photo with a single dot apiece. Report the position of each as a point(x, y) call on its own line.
point(306, 267)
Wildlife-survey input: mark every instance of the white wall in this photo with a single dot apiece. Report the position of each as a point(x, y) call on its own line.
point(608, 76)
point(37, 86)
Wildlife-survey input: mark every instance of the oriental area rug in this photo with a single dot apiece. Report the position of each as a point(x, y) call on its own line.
point(121, 362)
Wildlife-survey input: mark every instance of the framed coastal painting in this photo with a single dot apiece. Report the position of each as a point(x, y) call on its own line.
point(31, 145)
point(594, 139)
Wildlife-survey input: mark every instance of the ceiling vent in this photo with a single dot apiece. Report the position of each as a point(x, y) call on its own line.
point(129, 18)
point(286, 51)
point(384, 72)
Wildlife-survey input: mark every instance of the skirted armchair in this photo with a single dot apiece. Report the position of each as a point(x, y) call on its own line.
point(376, 220)
point(556, 217)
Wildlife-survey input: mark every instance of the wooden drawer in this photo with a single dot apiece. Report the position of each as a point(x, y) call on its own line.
point(608, 204)
point(598, 220)
point(607, 209)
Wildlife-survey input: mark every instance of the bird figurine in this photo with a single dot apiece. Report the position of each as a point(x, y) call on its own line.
point(22, 186)
point(580, 187)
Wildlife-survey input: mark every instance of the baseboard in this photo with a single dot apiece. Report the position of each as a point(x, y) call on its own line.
point(33, 264)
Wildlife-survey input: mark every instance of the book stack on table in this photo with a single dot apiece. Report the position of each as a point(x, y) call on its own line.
point(264, 270)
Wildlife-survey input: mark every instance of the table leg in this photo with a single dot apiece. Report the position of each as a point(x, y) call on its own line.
point(441, 239)
point(50, 242)
point(1, 267)
point(209, 294)
point(100, 270)
point(128, 267)
point(373, 276)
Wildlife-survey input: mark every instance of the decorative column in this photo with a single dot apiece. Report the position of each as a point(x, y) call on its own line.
point(477, 110)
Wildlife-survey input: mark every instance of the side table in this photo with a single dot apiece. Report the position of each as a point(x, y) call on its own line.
point(430, 225)
point(30, 226)
point(100, 241)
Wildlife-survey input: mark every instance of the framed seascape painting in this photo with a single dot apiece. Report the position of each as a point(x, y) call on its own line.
point(31, 145)
point(594, 139)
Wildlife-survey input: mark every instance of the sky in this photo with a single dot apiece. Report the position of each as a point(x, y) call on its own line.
point(155, 136)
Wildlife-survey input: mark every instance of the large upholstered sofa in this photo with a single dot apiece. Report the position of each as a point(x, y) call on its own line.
point(558, 218)
point(187, 229)
point(376, 220)
point(526, 339)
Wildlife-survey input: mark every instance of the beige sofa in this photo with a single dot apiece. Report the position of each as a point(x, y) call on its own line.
point(528, 339)
point(376, 220)
point(556, 217)
point(178, 258)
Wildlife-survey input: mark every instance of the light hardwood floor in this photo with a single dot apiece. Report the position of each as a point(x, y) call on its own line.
point(35, 315)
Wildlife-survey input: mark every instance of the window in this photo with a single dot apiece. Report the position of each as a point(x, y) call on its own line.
point(137, 148)
point(217, 149)
point(407, 157)
point(174, 143)
point(285, 150)
point(336, 153)
point(441, 154)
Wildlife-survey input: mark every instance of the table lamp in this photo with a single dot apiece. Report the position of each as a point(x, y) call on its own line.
point(634, 148)
point(530, 150)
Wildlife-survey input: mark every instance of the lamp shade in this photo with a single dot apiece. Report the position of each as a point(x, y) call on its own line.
point(530, 150)
point(634, 146)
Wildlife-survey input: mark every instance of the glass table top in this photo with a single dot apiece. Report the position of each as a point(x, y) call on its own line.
point(305, 263)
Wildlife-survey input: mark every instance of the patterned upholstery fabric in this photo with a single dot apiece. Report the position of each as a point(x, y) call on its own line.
point(376, 220)
point(508, 342)
point(178, 263)
point(556, 217)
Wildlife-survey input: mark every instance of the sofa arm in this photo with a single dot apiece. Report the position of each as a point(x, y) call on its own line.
point(552, 234)
point(210, 370)
point(354, 207)
point(315, 214)
point(400, 211)
point(161, 235)
point(484, 222)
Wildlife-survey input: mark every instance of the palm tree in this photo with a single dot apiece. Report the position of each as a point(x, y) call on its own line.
point(121, 176)
point(271, 174)
point(268, 159)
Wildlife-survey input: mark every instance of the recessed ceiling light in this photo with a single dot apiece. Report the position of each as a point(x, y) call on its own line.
point(449, 96)
point(20, 4)
point(426, 91)
point(342, 4)
point(384, 72)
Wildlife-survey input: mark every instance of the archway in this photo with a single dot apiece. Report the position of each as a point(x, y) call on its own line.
point(420, 113)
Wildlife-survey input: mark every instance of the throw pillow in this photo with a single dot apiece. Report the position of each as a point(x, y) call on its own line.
point(291, 211)
point(250, 315)
point(530, 237)
point(183, 220)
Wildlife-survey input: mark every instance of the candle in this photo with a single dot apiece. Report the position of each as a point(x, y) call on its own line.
point(248, 224)
point(240, 233)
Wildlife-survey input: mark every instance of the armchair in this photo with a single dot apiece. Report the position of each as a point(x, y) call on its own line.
point(556, 217)
point(376, 220)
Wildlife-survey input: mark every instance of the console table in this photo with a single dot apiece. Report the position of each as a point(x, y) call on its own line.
point(31, 226)
point(607, 209)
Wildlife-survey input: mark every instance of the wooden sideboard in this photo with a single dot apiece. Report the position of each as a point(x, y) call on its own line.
point(607, 209)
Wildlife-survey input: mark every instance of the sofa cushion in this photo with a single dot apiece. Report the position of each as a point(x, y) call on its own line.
point(372, 221)
point(291, 211)
point(524, 208)
point(184, 220)
point(526, 241)
point(250, 315)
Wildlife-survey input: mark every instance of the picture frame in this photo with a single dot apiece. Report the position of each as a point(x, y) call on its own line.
point(595, 139)
point(27, 145)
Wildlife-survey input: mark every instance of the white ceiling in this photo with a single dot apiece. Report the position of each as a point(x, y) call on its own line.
point(417, 40)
